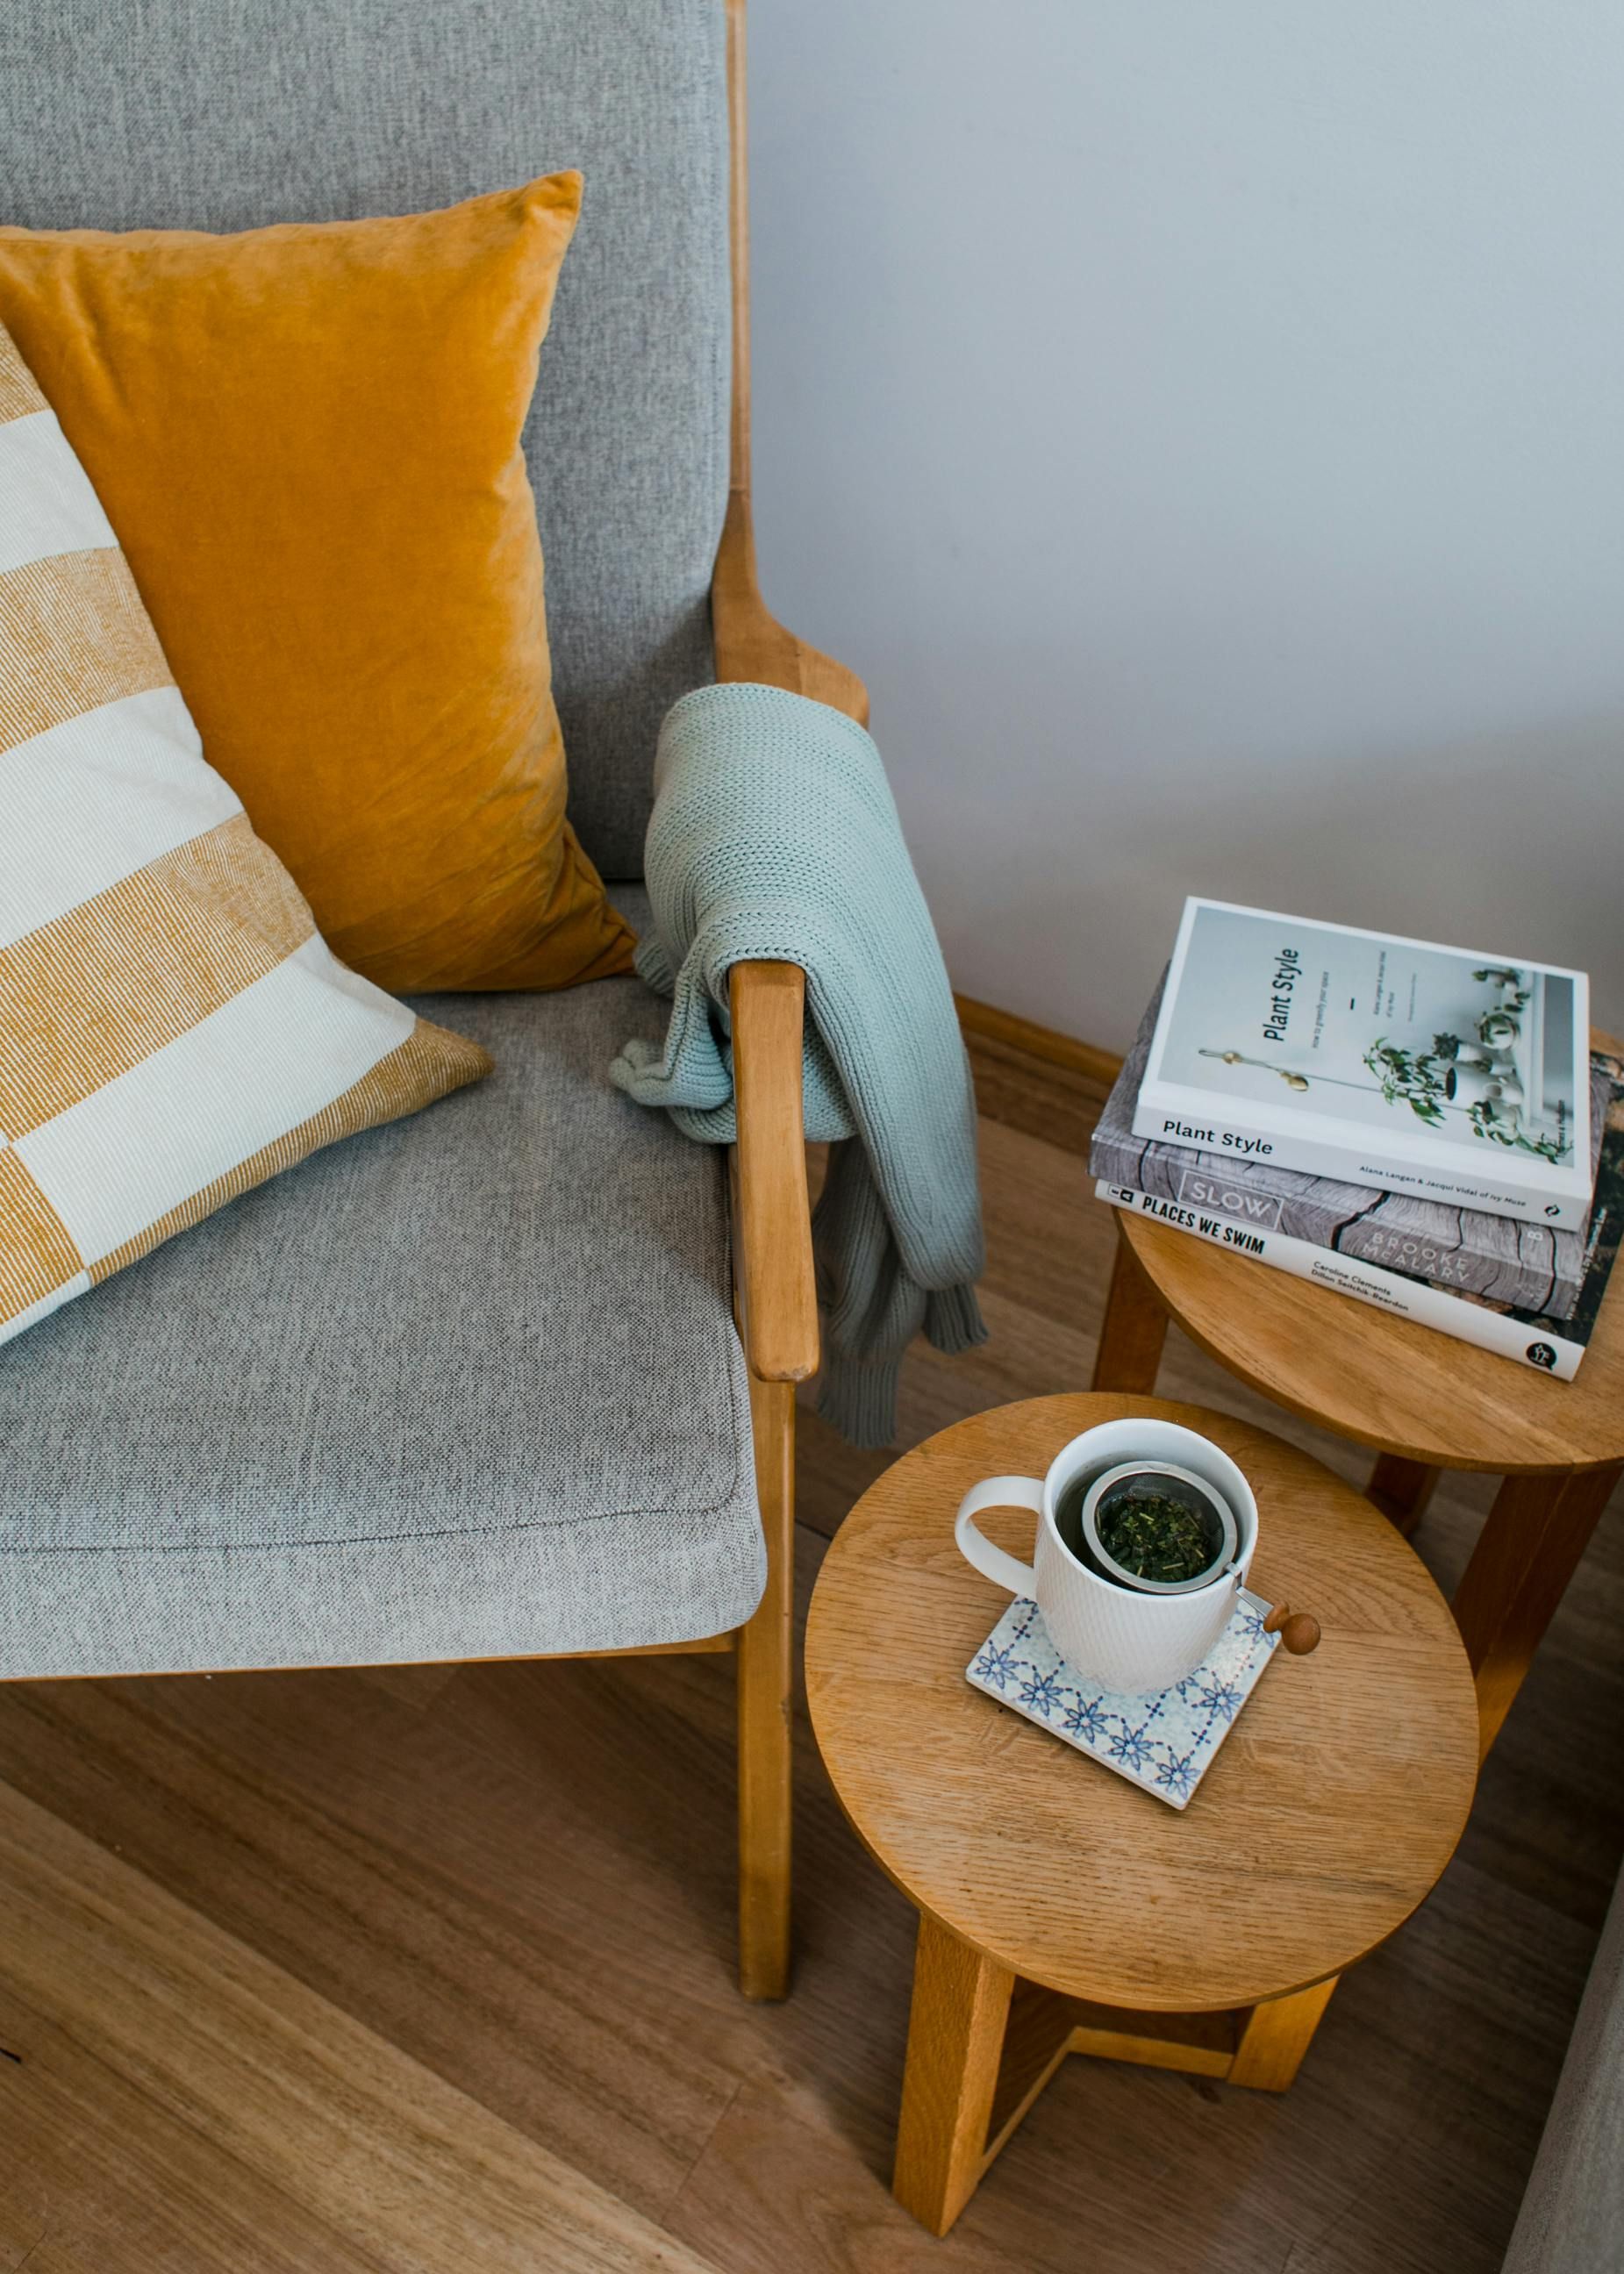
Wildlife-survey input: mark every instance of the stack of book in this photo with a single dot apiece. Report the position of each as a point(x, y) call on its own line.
point(1420, 1128)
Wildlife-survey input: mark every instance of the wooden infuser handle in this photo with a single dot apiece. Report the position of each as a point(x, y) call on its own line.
point(1299, 1630)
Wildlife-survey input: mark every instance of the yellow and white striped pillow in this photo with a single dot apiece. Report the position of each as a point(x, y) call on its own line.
point(173, 1028)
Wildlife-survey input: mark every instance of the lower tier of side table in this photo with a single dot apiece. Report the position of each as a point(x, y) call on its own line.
point(1061, 1908)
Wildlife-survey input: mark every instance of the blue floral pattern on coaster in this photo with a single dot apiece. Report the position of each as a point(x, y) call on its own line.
point(1163, 1742)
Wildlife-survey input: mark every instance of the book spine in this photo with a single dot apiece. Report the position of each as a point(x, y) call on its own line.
point(1525, 1267)
point(1507, 1336)
point(1319, 1156)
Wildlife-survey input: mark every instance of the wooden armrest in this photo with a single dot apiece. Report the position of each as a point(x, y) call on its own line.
point(751, 643)
point(772, 1215)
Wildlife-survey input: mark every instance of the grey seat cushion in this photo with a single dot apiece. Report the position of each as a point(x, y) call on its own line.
point(466, 1385)
point(226, 114)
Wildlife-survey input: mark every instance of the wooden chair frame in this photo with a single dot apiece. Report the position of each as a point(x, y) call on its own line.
point(772, 1237)
point(775, 1296)
point(775, 1302)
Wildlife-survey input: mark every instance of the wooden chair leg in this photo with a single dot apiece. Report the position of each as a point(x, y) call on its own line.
point(764, 1708)
point(1275, 2037)
point(1135, 1328)
point(961, 2005)
point(1527, 1550)
point(1401, 1489)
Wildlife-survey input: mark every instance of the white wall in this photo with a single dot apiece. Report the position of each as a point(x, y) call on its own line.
point(1203, 425)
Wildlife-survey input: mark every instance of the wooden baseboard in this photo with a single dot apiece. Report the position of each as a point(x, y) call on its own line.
point(993, 1026)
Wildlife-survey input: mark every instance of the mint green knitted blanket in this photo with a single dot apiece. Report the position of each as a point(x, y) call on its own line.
point(775, 836)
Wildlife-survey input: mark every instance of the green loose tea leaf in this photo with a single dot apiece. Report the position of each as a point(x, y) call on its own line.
point(1153, 1536)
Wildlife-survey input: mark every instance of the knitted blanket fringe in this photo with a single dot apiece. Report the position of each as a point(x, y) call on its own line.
point(775, 837)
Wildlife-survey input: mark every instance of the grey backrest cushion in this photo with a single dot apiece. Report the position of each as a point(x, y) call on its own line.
point(226, 114)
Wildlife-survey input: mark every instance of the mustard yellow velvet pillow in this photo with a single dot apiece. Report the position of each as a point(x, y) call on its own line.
point(307, 440)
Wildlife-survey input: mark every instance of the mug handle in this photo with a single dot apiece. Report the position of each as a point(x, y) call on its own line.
point(1004, 1570)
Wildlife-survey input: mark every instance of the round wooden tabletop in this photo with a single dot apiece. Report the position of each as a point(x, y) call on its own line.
point(1325, 1817)
point(1385, 1382)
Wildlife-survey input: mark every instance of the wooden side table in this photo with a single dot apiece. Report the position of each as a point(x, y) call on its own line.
point(1424, 1403)
point(1063, 1910)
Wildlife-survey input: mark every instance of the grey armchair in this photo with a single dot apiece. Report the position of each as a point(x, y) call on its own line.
point(511, 1379)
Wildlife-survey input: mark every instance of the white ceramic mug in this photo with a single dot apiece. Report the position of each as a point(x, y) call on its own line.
point(1118, 1637)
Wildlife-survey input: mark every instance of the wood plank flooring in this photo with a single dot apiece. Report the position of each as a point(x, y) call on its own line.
point(433, 1970)
point(176, 2089)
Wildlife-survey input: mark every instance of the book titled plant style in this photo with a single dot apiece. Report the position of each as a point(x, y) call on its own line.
point(1531, 1332)
point(1435, 1070)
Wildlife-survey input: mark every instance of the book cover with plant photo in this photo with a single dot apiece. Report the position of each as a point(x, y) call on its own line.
point(1439, 1071)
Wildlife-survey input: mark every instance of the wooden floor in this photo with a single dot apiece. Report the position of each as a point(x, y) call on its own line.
point(431, 1970)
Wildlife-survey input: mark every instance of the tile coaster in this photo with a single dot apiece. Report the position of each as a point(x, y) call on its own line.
point(1163, 1742)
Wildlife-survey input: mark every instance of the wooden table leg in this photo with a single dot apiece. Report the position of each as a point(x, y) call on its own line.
point(961, 2004)
point(1277, 2034)
point(1135, 1328)
point(1401, 1489)
point(1527, 1550)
